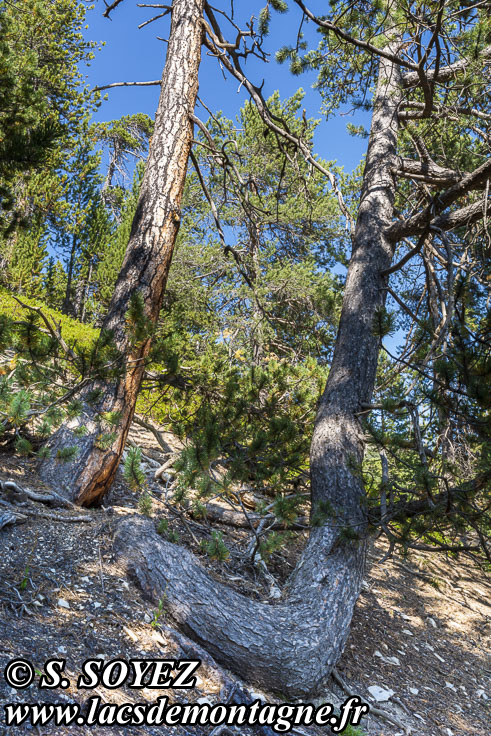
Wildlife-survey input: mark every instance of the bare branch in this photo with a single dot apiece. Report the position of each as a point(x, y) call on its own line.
point(428, 217)
point(463, 216)
point(232, 65)
point(111, 7)
point(412, 79)
point(155, 83)
point(155, 17)
point(426, 171)
point(414, 251)
point(364, 45)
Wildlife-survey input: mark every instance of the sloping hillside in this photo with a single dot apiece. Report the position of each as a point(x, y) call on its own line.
point(419, 629)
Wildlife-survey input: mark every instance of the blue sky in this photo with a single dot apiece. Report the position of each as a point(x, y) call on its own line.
point(131, 54)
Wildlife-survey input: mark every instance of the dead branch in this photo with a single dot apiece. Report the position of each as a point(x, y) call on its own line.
point(411, 79)
point(156, 433)
point(427, 171)
point(110, 7)
point(13, 490)
point(363, 45)
point(154, 83)
point(238, 519)
point(231, 63)
point(428, 217)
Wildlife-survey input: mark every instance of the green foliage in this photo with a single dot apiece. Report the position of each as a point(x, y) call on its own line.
point(67, 454)
point(133, 472)
point(73, 332)
point(145, 504)
point(23, 446)
point(74, 408)
point(215, 547)
point(111, 259)
point(157, 614)
point(42, 95)
point(18, 408)
point(383, 323)
point(105, 440)
point(137, 324)
point(164, 531)
point(272, 543)
point(112, 417)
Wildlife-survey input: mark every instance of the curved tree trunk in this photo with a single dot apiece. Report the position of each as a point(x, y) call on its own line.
point(291, 646)
point(145, 269)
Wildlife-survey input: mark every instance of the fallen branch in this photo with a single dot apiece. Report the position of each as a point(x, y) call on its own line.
point(12, 489)
point(156, 433)
point(238, 519)
point(21, 517)
point(165, 467)
point(9, 517)
point(373, 709)
point(58, 517)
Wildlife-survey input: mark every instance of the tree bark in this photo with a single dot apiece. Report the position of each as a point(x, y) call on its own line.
point(67, 306)
point(145, 267)
point(292, 646)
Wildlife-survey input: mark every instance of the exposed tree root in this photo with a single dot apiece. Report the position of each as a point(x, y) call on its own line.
point(290, 646)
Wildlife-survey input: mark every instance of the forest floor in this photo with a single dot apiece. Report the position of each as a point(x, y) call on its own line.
point(419, 628)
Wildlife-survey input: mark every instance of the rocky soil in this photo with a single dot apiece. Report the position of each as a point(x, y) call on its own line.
point(416, 653)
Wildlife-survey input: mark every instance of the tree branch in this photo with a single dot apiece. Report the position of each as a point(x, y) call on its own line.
point(364, 45)
point(111, 7)
point(426, 217)
point(154, 83)
point(412, 79)
point(211, 42)
point(427, 171)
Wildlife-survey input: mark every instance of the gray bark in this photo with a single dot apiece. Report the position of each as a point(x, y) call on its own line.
point(292, 646)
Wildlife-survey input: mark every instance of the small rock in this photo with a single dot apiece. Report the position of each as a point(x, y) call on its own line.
point(413, 690)
point(147, 618)
point(481, 694)
point(407, 632)
point(378, 654)
point(62, 650)
point(380, 694)
point(394, 660)
point(450, 685)
point(96, 604)
point(62, 603)
point(204, 701)
point(258, 696)
point(449, 732)
point(130, 634)
point(85, 579)
point(432, 622)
